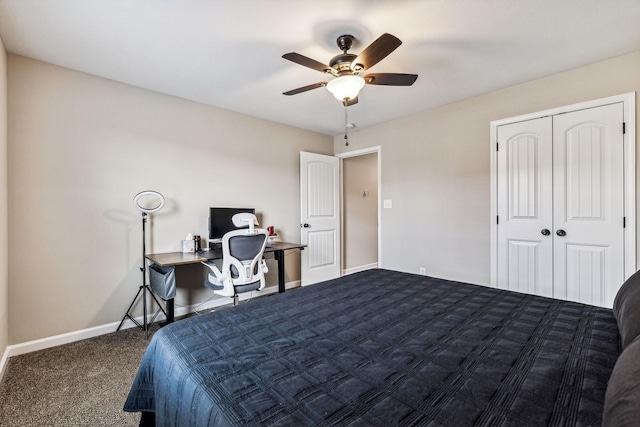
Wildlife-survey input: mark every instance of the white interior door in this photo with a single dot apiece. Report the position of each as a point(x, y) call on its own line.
point(589, 204)
point(319, 217)
point(525, 207)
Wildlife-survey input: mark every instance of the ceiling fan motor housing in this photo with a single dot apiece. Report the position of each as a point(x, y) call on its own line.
point(342, 63)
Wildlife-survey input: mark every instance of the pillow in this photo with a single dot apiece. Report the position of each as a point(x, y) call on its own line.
point(626, 309)
point(622, 399)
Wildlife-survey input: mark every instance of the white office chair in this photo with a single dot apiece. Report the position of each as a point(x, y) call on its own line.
point(243, 266)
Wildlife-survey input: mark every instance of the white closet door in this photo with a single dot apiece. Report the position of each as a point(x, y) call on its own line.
point(525, 242)
point(588, 204)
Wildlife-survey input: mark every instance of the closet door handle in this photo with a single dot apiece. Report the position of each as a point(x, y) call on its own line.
point(561, 233)
point(545, 232)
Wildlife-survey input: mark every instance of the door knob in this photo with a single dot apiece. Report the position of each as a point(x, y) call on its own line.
point(561, 233)
point(545, 232)
point(305, 225)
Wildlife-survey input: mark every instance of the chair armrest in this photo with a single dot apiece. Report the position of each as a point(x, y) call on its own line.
point(221, 278)
point(214, 269)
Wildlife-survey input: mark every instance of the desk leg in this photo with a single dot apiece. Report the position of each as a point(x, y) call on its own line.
point(279, 256)
point(170, 311)
point(170, 315)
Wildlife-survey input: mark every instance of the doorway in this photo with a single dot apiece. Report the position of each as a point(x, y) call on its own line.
point(323, 213)
point(360, 172)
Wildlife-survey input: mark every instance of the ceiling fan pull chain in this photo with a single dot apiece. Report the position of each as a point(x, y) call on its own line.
point(346, 127)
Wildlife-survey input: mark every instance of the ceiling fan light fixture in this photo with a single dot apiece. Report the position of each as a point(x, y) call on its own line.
point(346, 87)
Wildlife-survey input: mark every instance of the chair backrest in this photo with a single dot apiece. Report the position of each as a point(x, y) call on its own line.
point(242, 252)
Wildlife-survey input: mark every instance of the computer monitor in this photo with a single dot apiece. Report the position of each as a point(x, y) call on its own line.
point(220, 221)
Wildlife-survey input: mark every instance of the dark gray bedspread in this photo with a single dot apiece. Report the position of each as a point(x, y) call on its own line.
point(382, 348)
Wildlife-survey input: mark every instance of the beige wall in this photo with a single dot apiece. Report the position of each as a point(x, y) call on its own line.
point(436, 167)
point(360, 231)
point(80, 148)
point(4, 287)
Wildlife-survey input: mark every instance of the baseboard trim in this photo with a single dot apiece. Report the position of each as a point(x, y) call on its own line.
point(352, 270)
point(69, 337)
point(3, 362)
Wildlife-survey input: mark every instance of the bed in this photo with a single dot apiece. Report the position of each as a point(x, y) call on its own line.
point(385, 348)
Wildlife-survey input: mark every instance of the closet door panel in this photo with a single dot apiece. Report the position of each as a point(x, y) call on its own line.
point(523, 266)
point(588, 189)
point(524, 207)
point(585, 272)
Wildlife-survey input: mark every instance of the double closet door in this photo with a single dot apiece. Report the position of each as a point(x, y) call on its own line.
point(560, 205)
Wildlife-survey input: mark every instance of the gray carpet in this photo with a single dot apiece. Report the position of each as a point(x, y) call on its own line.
point(84, 383)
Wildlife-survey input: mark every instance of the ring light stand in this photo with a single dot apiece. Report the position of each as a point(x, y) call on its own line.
point(158, 200)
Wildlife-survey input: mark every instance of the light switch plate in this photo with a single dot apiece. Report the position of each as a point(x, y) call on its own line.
point(387, 204)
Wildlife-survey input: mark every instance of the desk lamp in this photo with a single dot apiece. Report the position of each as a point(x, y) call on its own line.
point(146, 202)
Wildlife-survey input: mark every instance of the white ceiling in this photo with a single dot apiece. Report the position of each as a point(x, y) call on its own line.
point(228, 53)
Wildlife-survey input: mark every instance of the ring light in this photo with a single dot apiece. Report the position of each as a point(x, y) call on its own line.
point(154, 196)
point(146, 202)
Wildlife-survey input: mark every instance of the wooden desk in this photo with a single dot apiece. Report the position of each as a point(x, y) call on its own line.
point(179, 258)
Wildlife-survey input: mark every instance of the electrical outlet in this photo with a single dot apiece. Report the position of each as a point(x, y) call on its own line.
point(387, 204)
point(423, 271)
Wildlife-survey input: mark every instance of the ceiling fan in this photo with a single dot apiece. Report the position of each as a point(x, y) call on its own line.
point(346, 67)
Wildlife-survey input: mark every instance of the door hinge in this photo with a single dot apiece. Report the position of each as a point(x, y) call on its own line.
point(624, 222)
point(497, 145)
point(497, 219)
point(624, 128)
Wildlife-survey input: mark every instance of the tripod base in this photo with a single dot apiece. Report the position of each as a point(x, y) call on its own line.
point(142, 290)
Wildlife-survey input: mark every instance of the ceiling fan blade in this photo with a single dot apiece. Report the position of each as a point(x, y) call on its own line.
point(308, 62)
point(376, 51)
point(390, 79)
point(305, 88)
point(351, 101)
